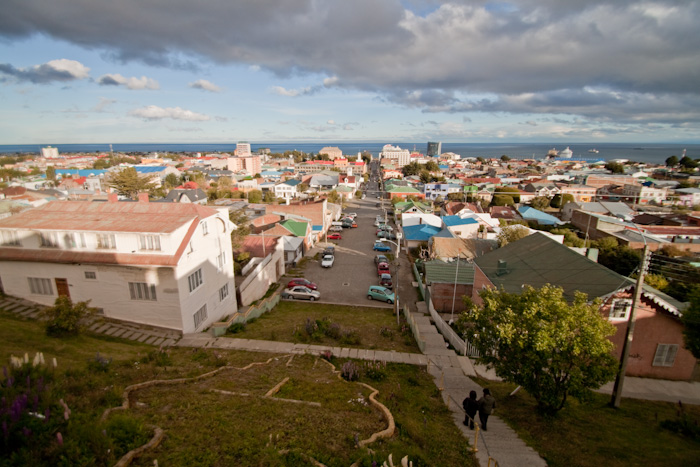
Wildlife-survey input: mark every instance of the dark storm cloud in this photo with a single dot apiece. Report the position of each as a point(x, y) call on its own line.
point(426, 54)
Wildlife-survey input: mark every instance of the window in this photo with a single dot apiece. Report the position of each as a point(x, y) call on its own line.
point(195, 279)
point(69, 240)
point(49, 240)
point(665, 355)
point(142, 291)
point(620, 308)
point(9, 238)
point(40, 286)
point(149, 242)
point(205, 228)
point(223, 292)
point(106, 241)
point(220, 261)
point(200, 316)
point(90, 275)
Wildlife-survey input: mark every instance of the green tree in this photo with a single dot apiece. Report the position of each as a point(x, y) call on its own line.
point(367, 157)
point(66, 318)
point(51, 173)
point(615, 167)
point(414, 168)
point(550, 347)
point(620, 258)
point(502, 200)
point(540, 202)
point(505, 158)
point(512, 233)
point(269, 197)
point(171, 180)
point(691, 321)
point(432, 166)
point(334, 197)
point(688, 163)
point(672, 161)
point(255, 196)
point(242, 230)
point(425, 176)
point(509, 191)
point(358, 194)
point(560, 200)
point(302, 187)
point(129, 183)
point(570, 237)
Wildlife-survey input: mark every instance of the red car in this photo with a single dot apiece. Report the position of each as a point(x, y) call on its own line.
point(383, 268)
point(335, 236)
point(303, 282)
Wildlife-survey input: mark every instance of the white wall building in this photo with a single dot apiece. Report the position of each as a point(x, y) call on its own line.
point(168, 265)
point(49, 152)
point(243, 149)
point(433, 190)
point(402, 156)
point(333, 152)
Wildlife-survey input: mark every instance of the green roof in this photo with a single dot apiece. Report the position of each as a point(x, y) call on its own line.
point(441, 272)
point(296, 227)
point(403, 189)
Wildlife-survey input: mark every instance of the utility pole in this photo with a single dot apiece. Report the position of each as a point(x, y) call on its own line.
point(620, 379)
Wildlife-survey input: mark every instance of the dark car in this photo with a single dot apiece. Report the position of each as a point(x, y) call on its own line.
point(380, 259)
point(385, 281)
point(303, 282)
point(330, 250)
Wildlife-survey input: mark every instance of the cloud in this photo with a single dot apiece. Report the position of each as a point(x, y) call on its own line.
point(103, 104)
point(56, 70)
point(457, 56)
point(153, 112)
point(205, 85)
point(130, 83)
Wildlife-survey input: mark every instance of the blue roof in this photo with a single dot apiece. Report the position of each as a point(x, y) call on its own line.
point(456, 220)
point(80, 173)
point(443, 167)
point(271, 173)
point(420, 232)
point(149, 170)
point(530, 213)
point(292, 182)
point(316, 228)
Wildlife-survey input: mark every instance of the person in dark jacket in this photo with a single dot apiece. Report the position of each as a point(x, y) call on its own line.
point(471, 406)
point(486, 405)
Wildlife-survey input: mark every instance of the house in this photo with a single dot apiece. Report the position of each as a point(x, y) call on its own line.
point(433, 190)
point(287, 189)
point(266, 266)
point(658, 348)
point(579, 192)
point(462, 227)
point(181, 195)
point(615, 209)
point(403, 192)
point(542, 218)
point(159, 264)
point(448, 282)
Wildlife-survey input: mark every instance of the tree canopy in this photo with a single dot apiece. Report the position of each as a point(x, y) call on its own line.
point(550, 347)
point(129, 183)
point(512, 233)
point(691, 321)
point(672, 161)
point(615, 167)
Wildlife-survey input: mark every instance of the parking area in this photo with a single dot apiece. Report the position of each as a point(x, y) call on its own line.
point(354, 270)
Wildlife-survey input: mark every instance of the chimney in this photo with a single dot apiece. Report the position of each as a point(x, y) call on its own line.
point(143, 197)
point(502, 267)
point(112, 197)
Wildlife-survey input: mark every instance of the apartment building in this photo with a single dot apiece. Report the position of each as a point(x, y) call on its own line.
point(168, 265)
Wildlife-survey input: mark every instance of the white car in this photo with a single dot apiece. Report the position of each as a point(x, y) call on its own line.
point(327, 261)
point(336, 228)
point(302, 293)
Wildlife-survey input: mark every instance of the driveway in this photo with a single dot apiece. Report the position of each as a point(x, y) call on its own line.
point(354, 270)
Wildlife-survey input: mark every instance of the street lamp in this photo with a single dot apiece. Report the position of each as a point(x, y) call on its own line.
point(396, 259)
point(454, 291)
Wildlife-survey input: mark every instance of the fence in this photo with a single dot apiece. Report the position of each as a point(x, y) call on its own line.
point(462, 346)
point(414, 328)
point(419, 279)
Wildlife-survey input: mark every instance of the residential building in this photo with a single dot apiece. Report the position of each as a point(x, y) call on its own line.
point(242, 149)
point(658, 347)
point(448, 282)
point(402, 156)
point(433, 190)
point(250, 164)
point(159, 264)
point(287, 189)
point(582, 193)
point(49, 152)
point(640, 194)
point(333, 152)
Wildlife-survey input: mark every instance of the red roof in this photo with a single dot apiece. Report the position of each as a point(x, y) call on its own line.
point(188, 186)
point(253, 244)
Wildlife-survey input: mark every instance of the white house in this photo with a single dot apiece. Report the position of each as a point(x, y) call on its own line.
point(433, 190)
point(168, 265)
point(287, 189)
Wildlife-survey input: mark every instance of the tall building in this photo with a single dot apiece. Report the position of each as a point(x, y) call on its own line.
point(434, 149)
point(333, 152)
point(250, 163)
point(402, 156)
point(243, 149)
point(49, 152)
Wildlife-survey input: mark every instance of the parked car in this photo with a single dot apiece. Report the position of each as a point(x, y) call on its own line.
point(302, 282)
point(330, 250)
point(336, 228)
point(387, 235)
point(377, 292)
point(352, 214)
point(383, 268)
point(335, 236)
point(386, 227)
point(302, 293)
point(327, 261)
point(380, 259)
point(385, 281)
point(379, 246)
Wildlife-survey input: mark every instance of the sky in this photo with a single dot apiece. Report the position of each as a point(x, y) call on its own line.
point(217, 71)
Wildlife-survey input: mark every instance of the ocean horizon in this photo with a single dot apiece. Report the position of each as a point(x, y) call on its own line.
point(646, 152)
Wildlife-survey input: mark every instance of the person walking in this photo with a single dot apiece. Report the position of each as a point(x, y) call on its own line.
point(471, 406)
point(486, 405)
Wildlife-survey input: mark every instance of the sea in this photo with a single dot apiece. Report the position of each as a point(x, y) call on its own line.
point(647, 152)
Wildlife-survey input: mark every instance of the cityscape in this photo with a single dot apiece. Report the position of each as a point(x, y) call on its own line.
point(379, 233)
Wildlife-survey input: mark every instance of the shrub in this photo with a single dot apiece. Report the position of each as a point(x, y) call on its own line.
point(333, 331)
point(235, 328)
point(349, 371)
point(376, 371)
point(683, 424)
point(386, 332)
point(160, 357)
point(66, 318)
point(350, 337)
point(98, 363)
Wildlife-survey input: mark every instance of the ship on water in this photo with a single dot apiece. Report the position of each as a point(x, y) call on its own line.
point(566, 153)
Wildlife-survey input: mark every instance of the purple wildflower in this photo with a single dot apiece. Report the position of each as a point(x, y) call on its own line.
point(59, 438)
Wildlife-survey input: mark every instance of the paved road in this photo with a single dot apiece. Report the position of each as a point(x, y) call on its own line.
point(354, 269)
